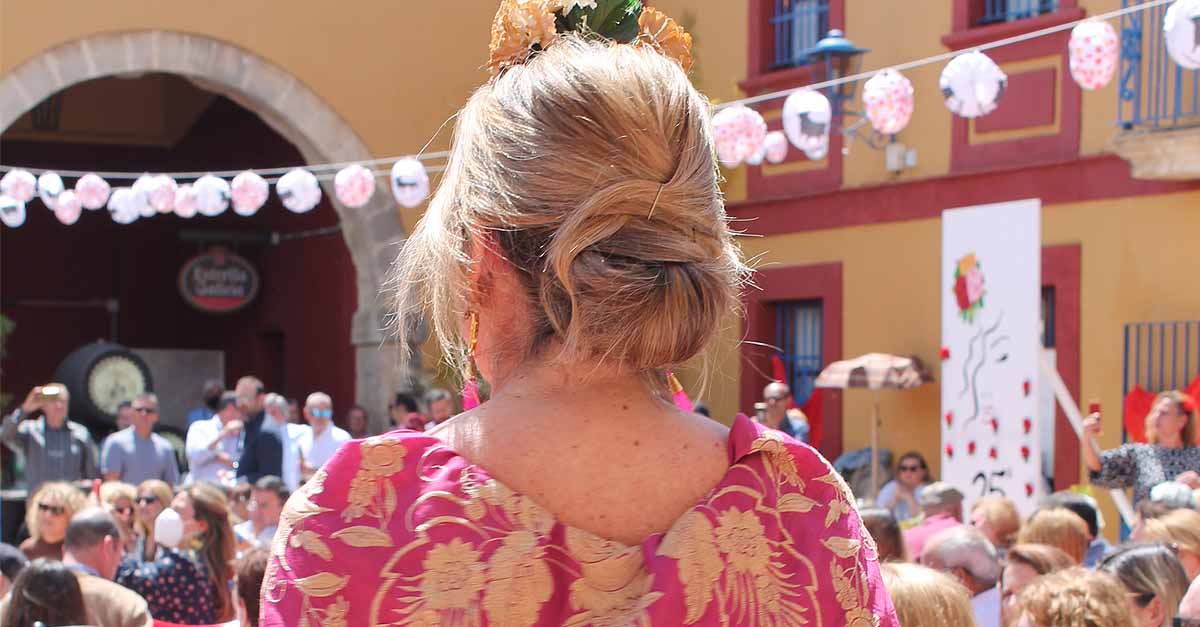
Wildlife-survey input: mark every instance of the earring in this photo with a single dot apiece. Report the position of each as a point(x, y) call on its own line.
point(470, 393)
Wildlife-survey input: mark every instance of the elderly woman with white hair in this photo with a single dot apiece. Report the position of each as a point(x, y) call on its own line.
point(323, 439)
point(966, 554)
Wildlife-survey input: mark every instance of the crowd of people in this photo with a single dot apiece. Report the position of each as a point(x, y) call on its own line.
point(135, 535)
point(989, 566)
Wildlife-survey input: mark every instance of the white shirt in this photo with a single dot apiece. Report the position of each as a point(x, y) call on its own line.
point(318, 449)
point(290, 435)
point(203, 462)
point(987, 608)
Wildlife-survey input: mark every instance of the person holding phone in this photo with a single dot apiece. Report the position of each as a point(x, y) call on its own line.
point(55, 448)
point(1170, 454)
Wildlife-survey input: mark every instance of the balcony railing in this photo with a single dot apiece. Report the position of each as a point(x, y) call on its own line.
point(1012, 10)
point(799, 25)
point(1155, 92)
point(1161, 355)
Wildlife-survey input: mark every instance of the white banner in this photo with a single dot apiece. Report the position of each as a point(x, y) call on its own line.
point(991, 342)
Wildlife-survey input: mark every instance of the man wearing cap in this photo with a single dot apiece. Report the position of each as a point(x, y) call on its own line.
point(942, 505)
point(55, 448)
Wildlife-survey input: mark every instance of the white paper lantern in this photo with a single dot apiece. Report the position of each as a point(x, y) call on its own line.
point(19, 185)
point(185, 201)
point(807, 118)
point(299, 190)
point(738, 132)
point(92, 191)
point(758, 157)
point(12, 211)
point(1181, 27)
point(124, 206)
point(1094, 52)
point(67, 208)
point(50, 185)
point(162, 193)
point(142, 188)
point(212, 195)
point(972, 84)
point(410, 182)
point(250, 192)
point(354, 186)
point(776, 146)
point(888, 100)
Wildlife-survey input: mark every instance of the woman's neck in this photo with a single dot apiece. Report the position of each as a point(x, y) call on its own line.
point(1171, 442)
point(581, 386)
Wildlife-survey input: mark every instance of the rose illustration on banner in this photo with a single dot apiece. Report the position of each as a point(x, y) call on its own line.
point(968, 287)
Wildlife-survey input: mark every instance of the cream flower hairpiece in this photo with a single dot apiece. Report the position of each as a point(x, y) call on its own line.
point(523, 27)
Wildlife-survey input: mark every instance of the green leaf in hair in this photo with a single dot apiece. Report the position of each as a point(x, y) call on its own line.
point(611, 19)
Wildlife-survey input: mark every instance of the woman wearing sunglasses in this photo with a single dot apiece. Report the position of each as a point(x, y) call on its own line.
point(118, 498)
point(900, 494)
point(47, 514)
point(153, 496)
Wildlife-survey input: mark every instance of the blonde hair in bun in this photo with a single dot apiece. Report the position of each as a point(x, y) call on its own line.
point(592, 167)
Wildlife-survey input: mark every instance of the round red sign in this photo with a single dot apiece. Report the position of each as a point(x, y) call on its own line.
point(218, 281)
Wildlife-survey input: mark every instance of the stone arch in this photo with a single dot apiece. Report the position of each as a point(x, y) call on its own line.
point(287, 106)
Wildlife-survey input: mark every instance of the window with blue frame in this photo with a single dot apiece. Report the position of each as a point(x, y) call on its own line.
point(799, 327)
point(799, 25)
point(996, 11)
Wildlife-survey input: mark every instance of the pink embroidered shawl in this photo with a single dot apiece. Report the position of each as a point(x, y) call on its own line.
point(400, 530)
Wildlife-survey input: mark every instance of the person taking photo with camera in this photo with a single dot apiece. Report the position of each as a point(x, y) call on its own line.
point(55, 448)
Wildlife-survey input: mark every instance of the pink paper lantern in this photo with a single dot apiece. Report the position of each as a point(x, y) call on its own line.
point(888, 100)
point(19, 185)
point(738, 132)
point(1094, 52)
point(142, 188)
point(354, 186)
point(776, 144)
point(250, 192)
point(92, 191)
point(185, 201)
point(68, 208)
point(161, 195)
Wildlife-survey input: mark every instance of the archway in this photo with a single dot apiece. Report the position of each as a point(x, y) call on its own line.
point(371, 233)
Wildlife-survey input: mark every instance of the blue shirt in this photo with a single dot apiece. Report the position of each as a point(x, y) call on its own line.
point(137, 459)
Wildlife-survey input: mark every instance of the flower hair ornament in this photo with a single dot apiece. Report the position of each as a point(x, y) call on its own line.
point(524, 27)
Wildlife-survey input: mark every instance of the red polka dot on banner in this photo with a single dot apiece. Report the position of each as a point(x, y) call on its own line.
point(1028, 490)
point(945, 353)
point(995, 425)
point(949, 450)
point(992, 452)
point(949, 418)
point(1027, 387)
point(1025, 453)
point(971, 447)
point(1027, 424)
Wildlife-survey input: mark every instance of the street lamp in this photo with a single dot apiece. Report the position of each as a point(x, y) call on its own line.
point(837, 57)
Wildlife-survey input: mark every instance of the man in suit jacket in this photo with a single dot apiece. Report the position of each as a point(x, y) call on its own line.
point(778, 397)
point(93, 549)
point(262, 451)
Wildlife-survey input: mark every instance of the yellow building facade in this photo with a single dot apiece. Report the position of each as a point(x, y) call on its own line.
point(385, 77)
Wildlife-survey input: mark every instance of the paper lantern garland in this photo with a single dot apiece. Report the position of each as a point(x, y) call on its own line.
point(123, 205)
point(67, 207)
point(972, 84)
point(888, 101)
point(1094, 51)
point(299, 191)
point(1181, 28)
point(141, 192)
point(807, 117)
point(92, 191)
point(12, 211)
point(354, 186)
point(776, 146)
point(410, 182)
point(49, 186)
point(162, 193)
point(185, 201)
point(212, 195)
point(738, 133)
point(249, 193)
point(19, 185)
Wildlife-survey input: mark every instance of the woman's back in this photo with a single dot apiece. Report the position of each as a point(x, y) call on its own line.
point(401, 527)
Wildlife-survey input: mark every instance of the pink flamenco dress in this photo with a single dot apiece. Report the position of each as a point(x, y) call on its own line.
point(400, 530)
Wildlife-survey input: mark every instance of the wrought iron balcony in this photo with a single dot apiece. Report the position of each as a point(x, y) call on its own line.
point(1158, 106)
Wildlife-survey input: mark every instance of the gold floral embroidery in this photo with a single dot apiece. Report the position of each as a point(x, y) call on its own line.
point(740, 536)
point(519, 581)
point(777, 458)
point(453, 576)
point(614, 589)
point(382, 457)
point(691, 542)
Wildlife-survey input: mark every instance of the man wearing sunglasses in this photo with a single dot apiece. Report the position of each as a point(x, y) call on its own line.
point(319, 444)
point(136, 453)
